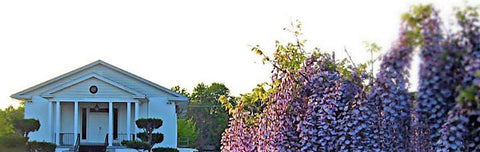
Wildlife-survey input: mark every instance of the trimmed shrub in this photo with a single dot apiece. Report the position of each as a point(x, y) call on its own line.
point(12, 141)
point(136, 144)
point(25, 126)
point(156, 137)
point(165, 149)
point(149, 139)
point(34, 146)
point(149, 123)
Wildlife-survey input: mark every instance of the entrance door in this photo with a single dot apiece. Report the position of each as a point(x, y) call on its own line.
point(97, 127)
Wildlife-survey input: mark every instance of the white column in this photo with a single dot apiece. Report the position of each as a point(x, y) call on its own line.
point(136, 117)
point(129, 115)
point(50, 122)
point(57, 123)
point(110, 123)
point(75, 121)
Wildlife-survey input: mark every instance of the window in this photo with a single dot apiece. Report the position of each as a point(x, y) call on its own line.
point(93, 89)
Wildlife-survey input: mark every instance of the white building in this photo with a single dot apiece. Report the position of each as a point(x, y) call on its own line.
point(97, 103)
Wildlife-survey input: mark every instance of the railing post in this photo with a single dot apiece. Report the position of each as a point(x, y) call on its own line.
point(136, 118)
point(110, 123)
point(50, 122)
point(129, 115)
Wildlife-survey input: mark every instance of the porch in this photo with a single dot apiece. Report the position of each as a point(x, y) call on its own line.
point(93, 122)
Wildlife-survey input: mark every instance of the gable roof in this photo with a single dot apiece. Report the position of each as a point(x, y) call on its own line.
point(177, 97)
point(89, 76)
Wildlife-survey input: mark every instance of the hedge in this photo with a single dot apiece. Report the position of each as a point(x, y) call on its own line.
point(165, 149)
point(136, 144)
point(34, 146)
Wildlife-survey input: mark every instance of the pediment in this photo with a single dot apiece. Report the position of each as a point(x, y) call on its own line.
point(80, 87)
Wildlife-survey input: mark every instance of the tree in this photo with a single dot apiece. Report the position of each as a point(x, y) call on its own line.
point(187, 132)
point(7, 116)
point(149, 125)
point(180, 90)
point(25, 126)
point(206, 112)
point(148, 137)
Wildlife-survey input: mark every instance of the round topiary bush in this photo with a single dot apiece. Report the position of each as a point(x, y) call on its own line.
point(165, 149)
point(149, 123)
point(156, 137)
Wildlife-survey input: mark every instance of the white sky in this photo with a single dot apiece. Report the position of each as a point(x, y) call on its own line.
point(181, 42)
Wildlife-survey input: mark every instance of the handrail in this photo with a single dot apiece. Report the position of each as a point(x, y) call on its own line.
point(106, 140)
point(76, 147)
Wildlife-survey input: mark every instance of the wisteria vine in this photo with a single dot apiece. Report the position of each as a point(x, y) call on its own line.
point(319, 103)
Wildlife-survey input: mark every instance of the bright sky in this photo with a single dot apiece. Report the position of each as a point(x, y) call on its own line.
point(181, 42)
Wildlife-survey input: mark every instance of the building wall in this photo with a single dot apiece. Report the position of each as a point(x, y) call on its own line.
point(159, 107)
point(37, 109)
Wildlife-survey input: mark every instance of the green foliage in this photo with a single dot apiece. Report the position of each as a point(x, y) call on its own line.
point(35, 146)
point(12, 141)
point(138, 145)
point(253, 102)
point(414, 19)
point(156, 137)
point(468, 12)
point(9, 141)
point(149, 125)
point(7, 116)
point(164, 149)
point(25, 126)
point(288, 57)
point(187, 131)
point(180, 90)
point(6, 127)
point(206, 112)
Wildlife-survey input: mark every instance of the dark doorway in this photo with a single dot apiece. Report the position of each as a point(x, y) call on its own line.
point(84, 121)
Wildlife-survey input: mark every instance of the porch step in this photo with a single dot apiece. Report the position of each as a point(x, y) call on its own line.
point(92, 148)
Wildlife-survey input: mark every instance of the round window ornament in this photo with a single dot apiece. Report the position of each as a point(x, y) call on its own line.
point(93, 89)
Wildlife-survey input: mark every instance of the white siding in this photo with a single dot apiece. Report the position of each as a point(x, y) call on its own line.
point(37, 109)
point(66, 117)
point(158, 108)
point(143, 110)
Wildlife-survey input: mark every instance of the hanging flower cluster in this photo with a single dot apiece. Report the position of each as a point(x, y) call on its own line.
point(461, 132)
point(337, 115)
point(438, 78)
point(317, 108)
point(238, 137)
point(390, 97)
